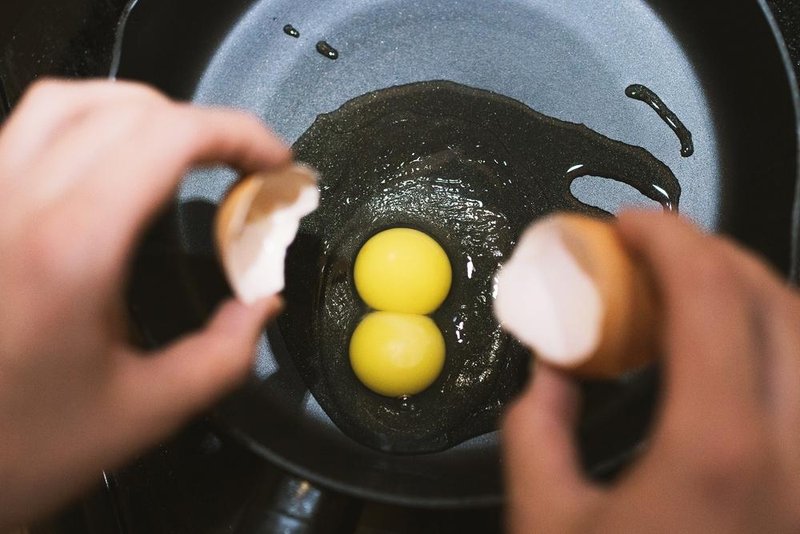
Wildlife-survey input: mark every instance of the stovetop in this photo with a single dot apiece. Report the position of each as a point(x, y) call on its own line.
point(201, 482)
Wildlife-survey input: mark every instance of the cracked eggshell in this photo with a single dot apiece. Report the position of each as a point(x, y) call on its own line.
point(256, 223)
point(572, 293)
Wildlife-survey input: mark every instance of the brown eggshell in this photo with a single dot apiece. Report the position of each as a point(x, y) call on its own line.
point(627, 334)
point(251, 202)
point(628, 339)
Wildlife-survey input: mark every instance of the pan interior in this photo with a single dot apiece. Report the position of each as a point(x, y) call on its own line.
point(472, 169)
point(569, 60)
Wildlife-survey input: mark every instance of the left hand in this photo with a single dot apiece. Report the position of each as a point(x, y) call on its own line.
point(84, 166)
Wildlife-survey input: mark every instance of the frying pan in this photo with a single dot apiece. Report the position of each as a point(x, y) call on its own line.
point(721, 66)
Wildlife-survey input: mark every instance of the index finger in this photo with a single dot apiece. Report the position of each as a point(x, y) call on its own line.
point(709, 332)
point(49, 107)
point(131, 182)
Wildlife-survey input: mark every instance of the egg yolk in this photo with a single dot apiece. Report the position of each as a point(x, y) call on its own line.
point(402, 270)
point(397, 354)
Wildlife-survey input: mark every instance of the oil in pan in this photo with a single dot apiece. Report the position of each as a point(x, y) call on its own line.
point(471, 169)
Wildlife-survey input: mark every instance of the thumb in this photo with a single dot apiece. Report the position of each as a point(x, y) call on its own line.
point(162, 390)
point(547, 490)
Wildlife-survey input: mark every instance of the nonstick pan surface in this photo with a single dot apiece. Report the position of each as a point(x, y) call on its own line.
point(719, 65)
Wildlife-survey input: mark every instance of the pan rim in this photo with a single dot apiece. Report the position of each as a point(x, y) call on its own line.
point(485, 500)
point(794, 90)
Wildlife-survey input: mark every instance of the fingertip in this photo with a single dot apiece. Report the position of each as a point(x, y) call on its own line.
point(275, 153)
point(222, 353)
point(555, 390)
point(539, 443)
point(230, 315)
point(550, 401)
point(193, 372)
point(234, 315)
point(550, 394)
point(632, 224)
point(283, 153)
point(236, 137)
point(266, 309)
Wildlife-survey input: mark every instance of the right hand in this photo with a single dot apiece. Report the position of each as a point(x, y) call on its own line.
point(724, 455)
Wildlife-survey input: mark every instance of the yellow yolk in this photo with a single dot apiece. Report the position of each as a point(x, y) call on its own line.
point(397, 354)
point(402, 270)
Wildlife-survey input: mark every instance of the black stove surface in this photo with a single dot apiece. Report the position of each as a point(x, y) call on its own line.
point(201, 482)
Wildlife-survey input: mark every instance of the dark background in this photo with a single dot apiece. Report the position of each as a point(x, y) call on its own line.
point(199, 481)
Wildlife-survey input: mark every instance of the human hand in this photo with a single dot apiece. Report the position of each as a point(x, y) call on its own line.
point(724, 455)
point(83, 168)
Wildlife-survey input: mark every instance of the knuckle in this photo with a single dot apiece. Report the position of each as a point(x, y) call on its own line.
point(138, 89)
point(182, 123)
point(45, 88)
point(129, 118)
point(44, 92)
point(155, 122)
point(52, 257)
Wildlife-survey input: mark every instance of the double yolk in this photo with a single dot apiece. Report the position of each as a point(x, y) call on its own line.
point(403, 274)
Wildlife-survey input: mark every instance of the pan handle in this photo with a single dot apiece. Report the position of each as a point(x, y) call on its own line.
point(295, 506)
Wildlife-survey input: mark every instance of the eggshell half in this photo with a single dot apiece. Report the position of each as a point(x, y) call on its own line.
point(256, 223)
point(572, 293)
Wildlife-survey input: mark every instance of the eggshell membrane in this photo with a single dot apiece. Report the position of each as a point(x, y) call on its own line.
point(573, 294)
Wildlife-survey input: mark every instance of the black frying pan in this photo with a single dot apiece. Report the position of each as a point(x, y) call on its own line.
point(720, 65)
